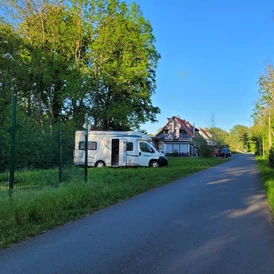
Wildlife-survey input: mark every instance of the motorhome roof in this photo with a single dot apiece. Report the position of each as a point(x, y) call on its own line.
point(117, 133)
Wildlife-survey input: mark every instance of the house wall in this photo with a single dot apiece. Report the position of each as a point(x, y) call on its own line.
point(161, 146)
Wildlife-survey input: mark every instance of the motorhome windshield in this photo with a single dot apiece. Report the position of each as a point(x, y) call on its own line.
point(146, 147)
point(152, 147)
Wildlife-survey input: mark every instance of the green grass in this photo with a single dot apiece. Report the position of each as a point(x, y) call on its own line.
point(36, 179)
point(267, 176)
point(31, 212)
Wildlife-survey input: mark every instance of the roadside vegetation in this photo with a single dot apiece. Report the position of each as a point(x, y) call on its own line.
point(266, 173)
point(31, 213)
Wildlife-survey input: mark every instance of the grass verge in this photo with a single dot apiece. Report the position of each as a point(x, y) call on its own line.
point(267, 177)
point(34, 212)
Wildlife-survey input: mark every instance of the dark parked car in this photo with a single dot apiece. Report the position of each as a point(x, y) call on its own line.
point(225, 152)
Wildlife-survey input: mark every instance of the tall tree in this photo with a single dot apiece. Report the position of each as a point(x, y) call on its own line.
point(123, 60)
point(220, 136)
point(239, 138)
point(258, 136)
point(88, 55)
point(263, 112)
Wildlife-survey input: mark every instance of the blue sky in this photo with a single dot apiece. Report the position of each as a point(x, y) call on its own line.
point(212, 55)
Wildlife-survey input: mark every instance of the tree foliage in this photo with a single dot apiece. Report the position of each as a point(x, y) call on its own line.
point(239, 138)
point(264, 108)
point(219, 136)
point(91, 56)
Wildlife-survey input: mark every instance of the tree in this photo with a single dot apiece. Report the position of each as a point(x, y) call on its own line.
point(12, 76)
point(212, 122)
point(239, 138)
point(257, 136)
point(219, 136)
point(93, 56)
point(123, 62)
point(262, 131)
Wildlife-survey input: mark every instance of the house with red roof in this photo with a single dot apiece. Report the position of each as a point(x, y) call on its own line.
point(178, 136)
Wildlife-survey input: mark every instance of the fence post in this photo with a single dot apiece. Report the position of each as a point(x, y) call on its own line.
point(86, 148)
point(12, 150)
point(60, 153)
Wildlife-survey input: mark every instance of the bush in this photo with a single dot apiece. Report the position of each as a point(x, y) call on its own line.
point(206, 151)
point(175, 153)
point(271, 158)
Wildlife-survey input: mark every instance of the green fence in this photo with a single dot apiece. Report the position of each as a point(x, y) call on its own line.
point(35, 157)
point(36, 165)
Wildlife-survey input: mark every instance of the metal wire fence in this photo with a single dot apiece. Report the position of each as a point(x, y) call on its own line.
point(37, 159)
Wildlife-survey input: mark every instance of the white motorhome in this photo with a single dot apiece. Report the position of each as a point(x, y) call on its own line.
point(117, 148)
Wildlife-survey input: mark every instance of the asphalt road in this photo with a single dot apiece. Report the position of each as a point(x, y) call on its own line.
point(215, 221)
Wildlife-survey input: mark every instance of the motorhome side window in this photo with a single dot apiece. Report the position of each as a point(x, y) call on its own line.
point(144, 147)
point(91, 145)
point(129, 146)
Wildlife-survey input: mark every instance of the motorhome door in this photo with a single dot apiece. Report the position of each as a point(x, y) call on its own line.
point(118, 152)
point(115, 152)
point(122, 152)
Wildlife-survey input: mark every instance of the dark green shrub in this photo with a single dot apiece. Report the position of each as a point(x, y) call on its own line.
point(175, 153)
point(206, 151)
point(271, 158)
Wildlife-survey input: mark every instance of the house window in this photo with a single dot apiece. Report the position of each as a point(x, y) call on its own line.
point(129, 146)
point(166, 131)
point(91, 145)
point(182, 131)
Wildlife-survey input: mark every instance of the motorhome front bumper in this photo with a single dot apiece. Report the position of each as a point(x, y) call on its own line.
point(163, 161)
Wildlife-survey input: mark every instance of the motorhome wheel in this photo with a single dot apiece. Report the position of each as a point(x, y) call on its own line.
point(100, 164)
point(154, 163)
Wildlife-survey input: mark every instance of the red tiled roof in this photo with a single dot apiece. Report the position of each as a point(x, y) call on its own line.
point(183, 123)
